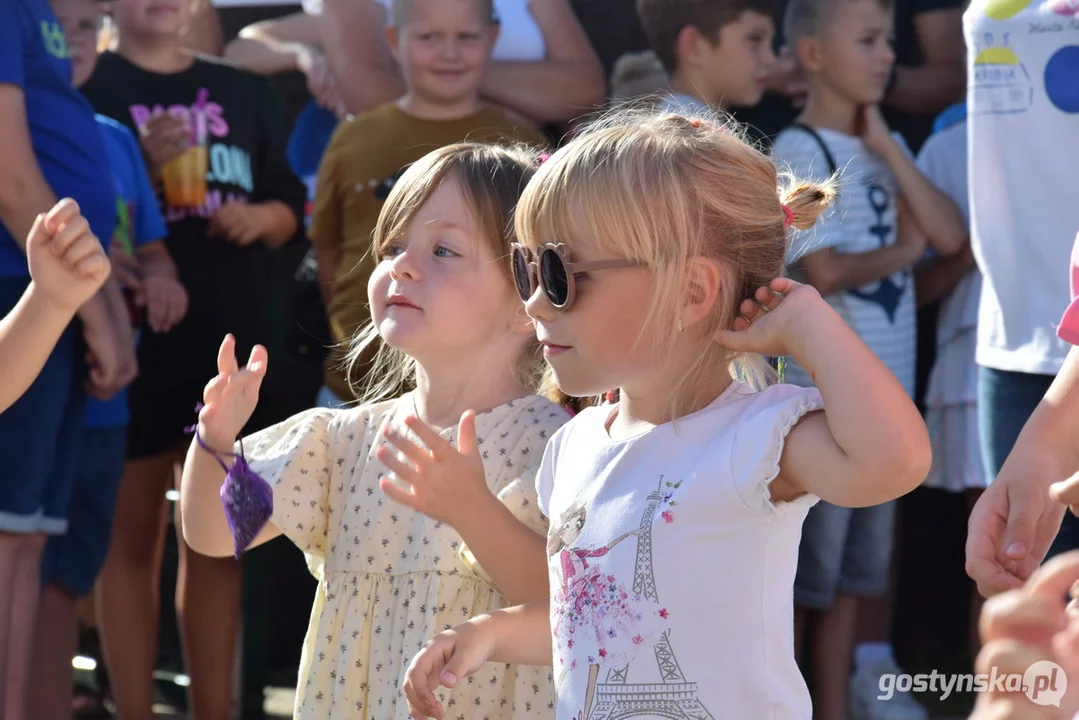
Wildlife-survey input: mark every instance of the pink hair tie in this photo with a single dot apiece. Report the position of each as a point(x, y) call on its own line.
point(545, 157)
point(695, 123)
point(788, 216)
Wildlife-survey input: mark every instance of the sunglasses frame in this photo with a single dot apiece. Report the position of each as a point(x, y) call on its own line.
point(535, 276)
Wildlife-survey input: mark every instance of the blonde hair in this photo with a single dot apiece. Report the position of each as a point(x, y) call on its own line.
point(663, 188)
point(491, 179)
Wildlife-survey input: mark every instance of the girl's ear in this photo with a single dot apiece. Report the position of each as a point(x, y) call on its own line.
point(704, 279)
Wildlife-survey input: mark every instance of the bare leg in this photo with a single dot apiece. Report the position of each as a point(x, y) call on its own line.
point(800, 620)
point(831, 655)
point(21, 622)
point(128, 595)
point(590, 693)
point(208, 602)
point(10, 545)
point(55, 644)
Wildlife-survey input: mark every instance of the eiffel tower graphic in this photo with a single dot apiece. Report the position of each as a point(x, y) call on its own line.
point(672, 697)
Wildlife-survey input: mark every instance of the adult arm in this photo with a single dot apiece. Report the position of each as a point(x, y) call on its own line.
point(937, 278)
point(354, 42)
point(565, 84)
point(929, 88)
point(275, 46)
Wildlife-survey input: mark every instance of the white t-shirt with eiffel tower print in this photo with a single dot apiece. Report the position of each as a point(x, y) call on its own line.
point(864, 219)
point(672, 572)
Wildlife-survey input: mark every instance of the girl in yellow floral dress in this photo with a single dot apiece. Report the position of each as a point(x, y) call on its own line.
point(419, 512)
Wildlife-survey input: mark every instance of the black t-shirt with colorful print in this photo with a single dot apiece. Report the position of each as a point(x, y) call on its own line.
point(230, 288)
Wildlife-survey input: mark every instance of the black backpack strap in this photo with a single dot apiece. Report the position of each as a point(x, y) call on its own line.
point(829, 158)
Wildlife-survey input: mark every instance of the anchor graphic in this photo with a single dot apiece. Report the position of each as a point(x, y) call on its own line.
point(889, 291)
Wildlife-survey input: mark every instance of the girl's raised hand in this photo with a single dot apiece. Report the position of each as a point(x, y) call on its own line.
point(444, 482)
point(230, 398)
point(765, 322)
point(446, 660)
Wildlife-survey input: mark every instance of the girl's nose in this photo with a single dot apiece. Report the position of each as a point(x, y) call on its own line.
point(538, 307)
point(403, 266)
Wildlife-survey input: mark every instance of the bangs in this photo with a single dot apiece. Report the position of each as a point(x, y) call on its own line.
point(593, 192)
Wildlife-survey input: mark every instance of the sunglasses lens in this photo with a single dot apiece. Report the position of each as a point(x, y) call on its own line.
point(520, 274)
point(555, 279)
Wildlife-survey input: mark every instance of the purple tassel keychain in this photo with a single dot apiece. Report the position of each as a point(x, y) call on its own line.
point(246, 497)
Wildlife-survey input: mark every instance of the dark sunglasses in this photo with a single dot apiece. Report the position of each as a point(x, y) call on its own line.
point(550, 268)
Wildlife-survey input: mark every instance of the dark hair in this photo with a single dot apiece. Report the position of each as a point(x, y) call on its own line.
point(664, 20)
point(805, 18)
point(400, 10)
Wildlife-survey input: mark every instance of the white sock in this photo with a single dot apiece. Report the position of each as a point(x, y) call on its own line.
point(871, 653)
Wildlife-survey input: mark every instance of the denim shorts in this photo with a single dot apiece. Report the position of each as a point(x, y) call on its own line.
point(844, 551)
point(40, 434)
point(74, 560)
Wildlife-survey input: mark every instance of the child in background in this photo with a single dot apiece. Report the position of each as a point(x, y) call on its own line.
point(442, 48)
point(860, 259)
point(72, 561)
point(716, 52)
point(67, 267)
point(644, 241)
point(950, 414)
point(461, 532)
point(228, 204)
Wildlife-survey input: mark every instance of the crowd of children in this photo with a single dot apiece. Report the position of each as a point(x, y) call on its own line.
point(551, 471)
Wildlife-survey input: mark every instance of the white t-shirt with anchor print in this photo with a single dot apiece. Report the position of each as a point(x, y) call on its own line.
point(672, 572)
point(863, 220)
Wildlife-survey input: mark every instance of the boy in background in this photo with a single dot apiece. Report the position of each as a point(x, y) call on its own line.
point(442, 48)
point(860, 259)
point(716, 52)
point(72, 561)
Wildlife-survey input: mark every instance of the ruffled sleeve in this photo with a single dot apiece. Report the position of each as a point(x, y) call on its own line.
point(758, 445)
point(295, 457)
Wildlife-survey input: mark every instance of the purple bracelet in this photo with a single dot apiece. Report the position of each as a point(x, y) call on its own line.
point(245, 495)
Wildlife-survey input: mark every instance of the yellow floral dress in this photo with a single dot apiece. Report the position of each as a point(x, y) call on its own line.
point(389, 577)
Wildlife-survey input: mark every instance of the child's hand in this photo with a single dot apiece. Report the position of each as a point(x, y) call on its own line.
point(164, 137)
point(447, 660)
point(1027, 626)
point(67, 261)
point(239, 223)
point(166, 302)
point(230, 398)
point(874, 131)
point(766, 321)
point(446, 483)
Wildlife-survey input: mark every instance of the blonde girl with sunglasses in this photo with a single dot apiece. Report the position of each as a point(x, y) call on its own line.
point(650, 256)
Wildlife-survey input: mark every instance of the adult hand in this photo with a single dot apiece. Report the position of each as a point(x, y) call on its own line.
point(1013, 524)
point(321, 82)
point(164, 137)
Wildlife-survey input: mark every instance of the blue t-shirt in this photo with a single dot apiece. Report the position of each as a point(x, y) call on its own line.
point(139, 222)
point(34, 56)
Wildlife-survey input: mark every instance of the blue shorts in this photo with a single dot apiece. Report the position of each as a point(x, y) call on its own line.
point(74, 559)
point(844, 550)
point(40, 435)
